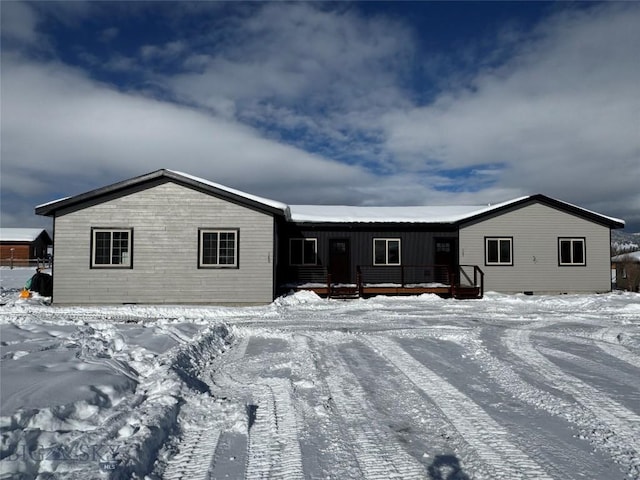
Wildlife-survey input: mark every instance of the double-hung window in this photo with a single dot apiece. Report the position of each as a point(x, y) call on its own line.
point(571, 252)
point(111, 247)
point(218, 248)
point(386, 251)
point(303, 251)
point(498, 251)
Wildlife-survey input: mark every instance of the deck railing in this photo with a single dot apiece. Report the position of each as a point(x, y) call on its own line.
point(457, 280)
point(406, 275)
point(471, 276)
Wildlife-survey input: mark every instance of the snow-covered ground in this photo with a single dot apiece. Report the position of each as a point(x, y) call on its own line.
point(508, 387)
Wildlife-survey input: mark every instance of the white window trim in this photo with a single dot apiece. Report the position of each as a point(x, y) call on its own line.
point(201, 234)
point(386, 251)
point(111, 231)
point(571, 241)
point(303, 240)
point(499, 262)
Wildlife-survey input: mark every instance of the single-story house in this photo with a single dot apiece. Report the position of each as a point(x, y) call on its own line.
point(627, 267)
point(169, 237)
point(19, 246)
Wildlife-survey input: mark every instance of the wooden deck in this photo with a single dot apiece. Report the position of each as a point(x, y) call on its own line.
point(352, 291)
point(469, 283)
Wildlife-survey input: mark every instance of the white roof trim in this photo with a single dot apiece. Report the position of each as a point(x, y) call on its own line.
point(613, 219)
point(52, 202)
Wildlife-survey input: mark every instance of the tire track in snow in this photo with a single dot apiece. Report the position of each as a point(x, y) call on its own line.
point(334, 456)
point(200, 422)
point(591, 428)
point(195, 456)
point(408, 405)
point(610, 344)
point(483, 434)
point(592, 366)
point(273, 449)
point(262, 447)
point(377, 452)
point(561, 458)
point(623, 423)
point(605, 339)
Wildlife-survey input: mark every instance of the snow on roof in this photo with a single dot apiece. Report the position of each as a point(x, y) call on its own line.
point(52, 202)
point(349, 214)
point(632, 256)
point(176, 174)
point(352, 214)
point(255, 198)
point(420, 214)
point(19, 234)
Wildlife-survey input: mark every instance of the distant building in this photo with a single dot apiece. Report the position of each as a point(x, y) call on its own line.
point(20, 245)
point(627, 268)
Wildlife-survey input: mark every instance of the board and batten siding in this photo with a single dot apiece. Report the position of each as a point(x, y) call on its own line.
point(165, 221)
point(417, 245)
point(535, 230)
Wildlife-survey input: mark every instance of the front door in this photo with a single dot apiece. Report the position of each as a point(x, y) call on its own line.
point(445, 259)
point(339, 260)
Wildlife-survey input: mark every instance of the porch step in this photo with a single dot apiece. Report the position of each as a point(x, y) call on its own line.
point(344, 292)
point(466, 293)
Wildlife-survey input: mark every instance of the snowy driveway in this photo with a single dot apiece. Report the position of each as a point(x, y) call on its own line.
point(509, 387)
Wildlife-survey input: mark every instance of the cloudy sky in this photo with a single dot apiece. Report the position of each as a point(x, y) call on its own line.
point(370, 103)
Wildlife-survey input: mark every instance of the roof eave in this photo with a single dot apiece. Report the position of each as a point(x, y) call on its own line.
point(52, 208)
point(364, 224)
point(567, 207)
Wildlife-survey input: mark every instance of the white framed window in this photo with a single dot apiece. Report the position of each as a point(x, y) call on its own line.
point(571, 252)
point(498, 251)
point(386, 251)
point(218, 248)
point(111, 247)
point(303, 251)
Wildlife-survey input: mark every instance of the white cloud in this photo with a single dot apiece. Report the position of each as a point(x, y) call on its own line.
point(60, 126)
point(561, 117)
point(58, 113)
point(282, 65)
point(560, 112)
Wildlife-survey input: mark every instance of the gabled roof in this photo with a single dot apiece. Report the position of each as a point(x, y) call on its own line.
point(497, 209)
point(154, 178)
point(22, 234)
point(325, 214)
point(454, 215)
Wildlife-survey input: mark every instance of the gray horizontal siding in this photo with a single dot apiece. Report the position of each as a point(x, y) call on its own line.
point(165, 219)
point(535, 230)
